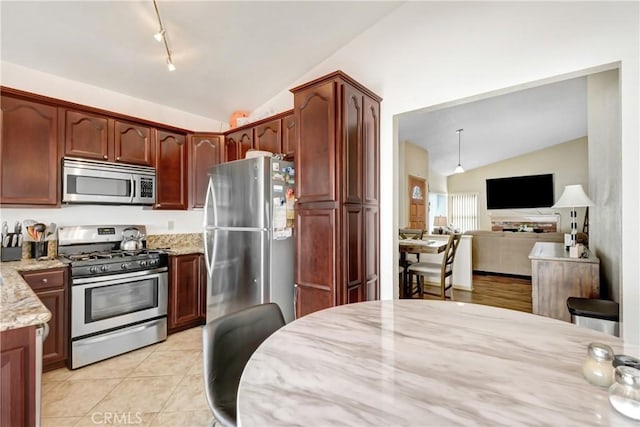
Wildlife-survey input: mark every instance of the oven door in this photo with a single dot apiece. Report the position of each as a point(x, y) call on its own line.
point(118, 300)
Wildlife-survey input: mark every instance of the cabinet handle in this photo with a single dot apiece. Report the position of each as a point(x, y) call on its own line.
point(105, 157)
point(45, 280)
point(118, 158)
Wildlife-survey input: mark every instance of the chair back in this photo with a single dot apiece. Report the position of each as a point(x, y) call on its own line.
point(450, 253)
point(410, 233)
point(228, 343)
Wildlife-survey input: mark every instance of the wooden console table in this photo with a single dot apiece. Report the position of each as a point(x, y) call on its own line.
point(555, 277)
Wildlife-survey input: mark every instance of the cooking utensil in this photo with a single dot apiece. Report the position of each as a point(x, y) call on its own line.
point(39, 228)
point(17, 228)
point(51, 231)
point(5, 229)
point(131, 241)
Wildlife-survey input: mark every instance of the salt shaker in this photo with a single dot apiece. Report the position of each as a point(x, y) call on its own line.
point(624, 394)
point(597, 369)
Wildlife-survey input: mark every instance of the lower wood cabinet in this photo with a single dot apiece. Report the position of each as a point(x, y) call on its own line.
point(52, 288)
point(18, 372)
point(186, 283)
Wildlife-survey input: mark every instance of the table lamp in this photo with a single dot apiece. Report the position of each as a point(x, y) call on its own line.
point(439, 222)
point(573, 197)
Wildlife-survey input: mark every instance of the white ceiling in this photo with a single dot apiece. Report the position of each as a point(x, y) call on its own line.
point(499, 127)
point(238, 55)
point(229, 55)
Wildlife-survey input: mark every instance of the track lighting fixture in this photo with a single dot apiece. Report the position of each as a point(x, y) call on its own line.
point(161, 36)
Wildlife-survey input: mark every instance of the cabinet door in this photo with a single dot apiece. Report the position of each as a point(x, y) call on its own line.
point(29, 151)
point(231, 148)
point(371, 150)
point(205, 151)
point(352, 101)
point(86, 135)
point(315, 116)
point(54, 349)
point(315, 233)
point(243, 140)
point(289, 137)
point(268, 136)
point(17, 369)
point(371, 247)
point(133, 143)
point(203, 289)
point(171, 171)
point(184, 292)
point(353, 282)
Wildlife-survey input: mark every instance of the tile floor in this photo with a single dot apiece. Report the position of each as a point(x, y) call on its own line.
point(159, 385)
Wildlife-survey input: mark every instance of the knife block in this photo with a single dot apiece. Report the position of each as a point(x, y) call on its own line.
point(11, 254)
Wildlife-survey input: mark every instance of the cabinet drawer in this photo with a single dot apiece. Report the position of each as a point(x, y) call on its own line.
point(45, 279)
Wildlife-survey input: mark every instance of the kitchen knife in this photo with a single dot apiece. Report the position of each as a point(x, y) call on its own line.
point(5, 229)
point(5, 241)
point(14, 240)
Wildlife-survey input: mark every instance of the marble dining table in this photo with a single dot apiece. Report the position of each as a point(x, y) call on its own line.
point(425, 363)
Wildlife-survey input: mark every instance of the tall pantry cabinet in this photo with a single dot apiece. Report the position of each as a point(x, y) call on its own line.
point(337, 187)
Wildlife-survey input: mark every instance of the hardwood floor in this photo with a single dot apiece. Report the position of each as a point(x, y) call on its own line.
point(499, 291)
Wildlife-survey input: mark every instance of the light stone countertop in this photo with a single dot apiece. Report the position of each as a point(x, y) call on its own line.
point(425, 363)
point(19, 305)
point(176, 244)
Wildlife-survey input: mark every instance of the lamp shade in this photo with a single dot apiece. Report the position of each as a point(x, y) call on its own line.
point(573, 197)
point(440, 221)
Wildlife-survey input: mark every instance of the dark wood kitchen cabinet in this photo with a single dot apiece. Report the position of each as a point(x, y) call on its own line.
point(289, 136)
point(238, 143)
point(52, 288)
point(337, 185)
point(205, 150)
point(133, 143)
point(87, 135)
point(185, 291)
point(18, 371)
point(171, 171)
point(268, 136)
point(30, 165)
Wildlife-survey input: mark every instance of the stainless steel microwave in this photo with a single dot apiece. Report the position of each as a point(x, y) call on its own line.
point(90, 181)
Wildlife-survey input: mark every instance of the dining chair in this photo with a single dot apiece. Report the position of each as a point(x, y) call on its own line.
point(228, 343)
point(406, 259)
point(444, 269)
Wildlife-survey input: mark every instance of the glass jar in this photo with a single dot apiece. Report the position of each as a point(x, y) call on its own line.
point(624, 394)
point(597, 369)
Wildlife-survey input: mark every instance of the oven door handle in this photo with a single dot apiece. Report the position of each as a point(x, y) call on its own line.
point(118, 277)
point(113, 334)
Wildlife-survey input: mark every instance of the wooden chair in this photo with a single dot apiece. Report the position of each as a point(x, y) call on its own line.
point(407, 259)
point(445, 269)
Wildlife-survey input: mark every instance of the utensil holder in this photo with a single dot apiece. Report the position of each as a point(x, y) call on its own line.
point(11, 254)
point(39, 250)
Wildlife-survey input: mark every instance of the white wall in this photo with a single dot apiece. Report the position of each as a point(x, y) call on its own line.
point(428, 53)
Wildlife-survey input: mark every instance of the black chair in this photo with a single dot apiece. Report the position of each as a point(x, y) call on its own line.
point(228, 343)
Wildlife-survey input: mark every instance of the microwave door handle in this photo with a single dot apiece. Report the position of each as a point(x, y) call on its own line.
point(133, 188)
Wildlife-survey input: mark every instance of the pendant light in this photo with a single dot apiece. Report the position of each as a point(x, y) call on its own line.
point(459, 168)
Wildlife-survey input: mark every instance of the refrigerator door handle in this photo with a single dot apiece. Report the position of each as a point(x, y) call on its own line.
point(208, 259)
point(209, 194)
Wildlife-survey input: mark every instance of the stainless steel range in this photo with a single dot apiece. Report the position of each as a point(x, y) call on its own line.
point(118, 297)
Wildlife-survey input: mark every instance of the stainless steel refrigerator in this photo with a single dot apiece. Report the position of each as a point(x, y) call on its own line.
point(248, 241)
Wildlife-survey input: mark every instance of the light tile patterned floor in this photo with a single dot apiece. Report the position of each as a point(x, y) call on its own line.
point(159, 385)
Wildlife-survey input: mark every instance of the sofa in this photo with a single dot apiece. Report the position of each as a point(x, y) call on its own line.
point(506, 252)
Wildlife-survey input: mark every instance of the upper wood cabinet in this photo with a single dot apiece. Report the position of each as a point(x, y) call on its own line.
point(171, 171)
point(289, 136)
point(238, 143)
point(133, 143)
point(205, 150)
point(29, 149)
point(86, 135)
point(268, 136)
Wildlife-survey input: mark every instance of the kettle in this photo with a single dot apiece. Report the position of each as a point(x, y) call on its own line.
point(132, 241)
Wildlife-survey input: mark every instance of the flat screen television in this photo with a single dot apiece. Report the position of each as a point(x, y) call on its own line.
point(518, 192)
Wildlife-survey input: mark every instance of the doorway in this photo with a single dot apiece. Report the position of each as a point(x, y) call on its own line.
point(417, 206)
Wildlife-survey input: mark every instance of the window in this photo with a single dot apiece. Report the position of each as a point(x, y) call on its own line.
point(463, 211)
